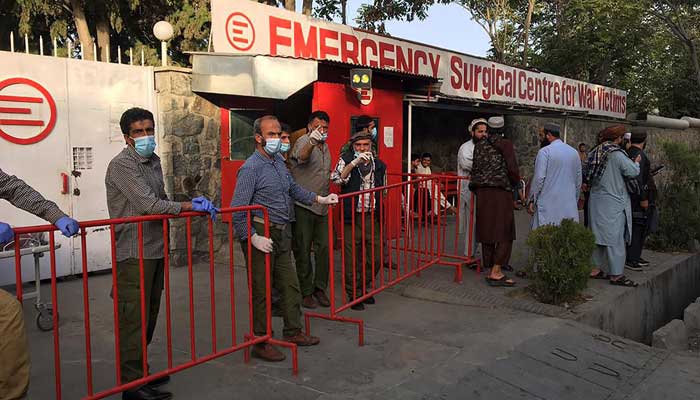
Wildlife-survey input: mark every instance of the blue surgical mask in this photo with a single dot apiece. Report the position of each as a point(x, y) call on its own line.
point(374, 133)
point(284, 147)
point(273, 145)
point(145, 145)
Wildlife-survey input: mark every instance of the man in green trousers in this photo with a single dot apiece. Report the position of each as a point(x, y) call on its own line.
point(134, 183)
point(310, 164)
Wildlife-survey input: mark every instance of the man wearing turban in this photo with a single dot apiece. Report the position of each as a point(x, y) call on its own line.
point(610, 212)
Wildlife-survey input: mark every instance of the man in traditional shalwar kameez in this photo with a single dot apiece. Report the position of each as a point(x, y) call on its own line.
point(556, 185)
point(494, 177)
point(610, 212)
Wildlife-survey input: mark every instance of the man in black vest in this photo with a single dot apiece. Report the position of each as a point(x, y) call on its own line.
point(641, 201)
point(358, 170)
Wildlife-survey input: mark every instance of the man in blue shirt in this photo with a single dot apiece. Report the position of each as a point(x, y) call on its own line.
point(265, 180)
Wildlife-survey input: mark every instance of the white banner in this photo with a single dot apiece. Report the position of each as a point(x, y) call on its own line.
point(247, 27)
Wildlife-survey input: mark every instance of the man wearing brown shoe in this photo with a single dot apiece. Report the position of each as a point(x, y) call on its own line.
point(310, 164)
point(265, 180)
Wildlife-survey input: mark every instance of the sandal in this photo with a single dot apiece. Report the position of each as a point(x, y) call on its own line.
point(502, 281)
point(623, 281)
point(507, 268)
point(600, 275)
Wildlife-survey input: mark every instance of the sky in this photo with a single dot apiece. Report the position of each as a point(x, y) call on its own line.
point(447, 26)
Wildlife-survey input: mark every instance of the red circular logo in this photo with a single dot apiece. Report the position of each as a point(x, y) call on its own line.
point(240, 31)
point(13, 114)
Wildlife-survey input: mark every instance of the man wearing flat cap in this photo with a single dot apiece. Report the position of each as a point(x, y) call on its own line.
point(609, 209)
point(556, 184)
point(640, 201)
point(357, 170)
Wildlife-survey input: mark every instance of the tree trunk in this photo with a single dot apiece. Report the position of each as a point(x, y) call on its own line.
point(694, 58)
point(83, 29)
point(344, 11)
point(290, 5)
point(306, 7)
point(526, 30)
point(102, 28)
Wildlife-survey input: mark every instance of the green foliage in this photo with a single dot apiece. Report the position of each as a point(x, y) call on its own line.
point(678, 202)
point(560, 261)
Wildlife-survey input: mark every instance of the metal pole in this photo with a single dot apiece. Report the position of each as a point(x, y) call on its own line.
point(26, 44)
point(142, 56)
point(94, 50)
point(410, 137)
point(119, 54)
point(164, 53)
point(82, 51)
point(69, 46)
point(131, 56)
point(41, 45)
point(12, 42)
point(55, 48)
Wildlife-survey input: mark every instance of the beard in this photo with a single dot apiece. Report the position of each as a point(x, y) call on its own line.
point(544, 143)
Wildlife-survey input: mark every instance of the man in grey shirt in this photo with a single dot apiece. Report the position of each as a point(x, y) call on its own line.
point(135, 187)
point(310, 164)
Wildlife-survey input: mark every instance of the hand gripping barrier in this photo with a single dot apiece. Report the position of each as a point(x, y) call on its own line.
point(233, 344)
point(387, 235)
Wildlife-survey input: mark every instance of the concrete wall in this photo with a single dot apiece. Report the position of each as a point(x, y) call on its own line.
point(635, 313)
point(189, 146)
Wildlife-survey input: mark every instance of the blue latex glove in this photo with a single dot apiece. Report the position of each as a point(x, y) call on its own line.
point(6, 233)
point(202, 204)
point(68, 226)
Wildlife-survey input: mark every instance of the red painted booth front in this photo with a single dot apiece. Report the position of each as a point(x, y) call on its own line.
point(342, 105)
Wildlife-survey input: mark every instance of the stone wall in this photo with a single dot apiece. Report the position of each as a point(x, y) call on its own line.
point(523, 131)
point(189, 148)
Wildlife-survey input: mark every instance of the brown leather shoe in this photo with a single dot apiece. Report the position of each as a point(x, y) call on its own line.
point(267, 352)
point(302, 340)
point(309, 302)
point(321, 298)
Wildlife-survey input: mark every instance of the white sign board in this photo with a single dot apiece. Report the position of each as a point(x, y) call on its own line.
point(247, 27)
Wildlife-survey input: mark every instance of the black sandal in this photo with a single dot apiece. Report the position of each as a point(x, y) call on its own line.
point(600, 275)
point(623, 281)
point(507, 268)
point(502, 281)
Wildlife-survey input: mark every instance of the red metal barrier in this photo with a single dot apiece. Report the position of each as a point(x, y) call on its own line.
point(249, 339)
point(408, 232)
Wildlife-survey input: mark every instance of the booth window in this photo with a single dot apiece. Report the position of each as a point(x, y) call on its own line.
point(353, 124)
point(82, 158)
point(241, 132)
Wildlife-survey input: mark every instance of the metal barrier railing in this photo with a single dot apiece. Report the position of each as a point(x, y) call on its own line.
point(387, 235)
point(249, 339)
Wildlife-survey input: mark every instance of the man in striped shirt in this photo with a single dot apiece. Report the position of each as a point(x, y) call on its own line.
point(135, 187)
point(265, 180)
point(14, 367)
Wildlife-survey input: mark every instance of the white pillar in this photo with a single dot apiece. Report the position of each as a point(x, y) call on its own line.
point(12, 41)
point(164, 52)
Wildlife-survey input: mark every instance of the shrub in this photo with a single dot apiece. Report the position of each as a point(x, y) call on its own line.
point(560, 261)
point(677, 203)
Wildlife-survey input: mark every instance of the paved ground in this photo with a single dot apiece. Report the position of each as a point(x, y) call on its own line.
point(416, 347)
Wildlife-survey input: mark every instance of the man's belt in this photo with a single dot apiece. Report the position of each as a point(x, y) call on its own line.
point(279, 227)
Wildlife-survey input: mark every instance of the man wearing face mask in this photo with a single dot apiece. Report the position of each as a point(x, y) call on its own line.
point(265, 180)
point(366, 125)
point(355, 171)
point(134, 183)
point(310, 164)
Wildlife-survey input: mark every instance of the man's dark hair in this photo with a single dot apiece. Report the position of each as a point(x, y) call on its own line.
point(134, 115)
point(426, 155)
point(415, 156)
point(286, 127)
point(322, 115)
point(582, 144)
point(363, 121)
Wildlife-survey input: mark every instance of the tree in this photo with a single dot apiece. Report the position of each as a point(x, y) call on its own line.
point(329, 9)
point(682, 18)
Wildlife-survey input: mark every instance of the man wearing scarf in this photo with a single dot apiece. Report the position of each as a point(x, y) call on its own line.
point(494, 177)
point(610, 212)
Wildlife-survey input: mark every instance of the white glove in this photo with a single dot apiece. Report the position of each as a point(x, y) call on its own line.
point(316, 136)
point(261, 243)
point(328, 200)
point(362, 158)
